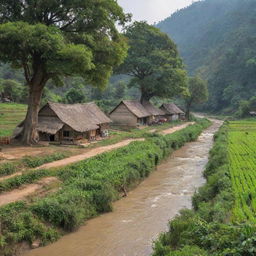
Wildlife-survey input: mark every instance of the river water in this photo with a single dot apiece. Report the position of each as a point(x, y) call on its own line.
point(138, 219)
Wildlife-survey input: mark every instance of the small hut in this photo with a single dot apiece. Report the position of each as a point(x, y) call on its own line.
point(69, 123)
point(130, 113)
point(172, 112)
point(156, 113)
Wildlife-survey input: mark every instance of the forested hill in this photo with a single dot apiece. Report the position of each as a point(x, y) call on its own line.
point(217, 38)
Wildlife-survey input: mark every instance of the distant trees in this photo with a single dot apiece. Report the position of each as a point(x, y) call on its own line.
point(12, 90)
point(75, 95)
point(197, 93)
point(51, 39)
point(153, 62)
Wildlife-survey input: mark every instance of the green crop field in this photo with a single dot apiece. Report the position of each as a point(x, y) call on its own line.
point(242, 165)
point(10, 115)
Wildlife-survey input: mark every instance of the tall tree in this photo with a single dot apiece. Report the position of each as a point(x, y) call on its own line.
point(56, 38)
point(153, 62)
point(198, 93)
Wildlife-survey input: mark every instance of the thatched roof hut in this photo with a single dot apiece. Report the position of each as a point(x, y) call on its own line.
point(69, 120)
point(132, 113)
point(172, 112)
point(80, 117)
point(154, 111)
point(172, 109)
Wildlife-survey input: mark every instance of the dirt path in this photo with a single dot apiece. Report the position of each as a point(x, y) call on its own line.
point(176, 128)
point(91, 153)
point(20, 194)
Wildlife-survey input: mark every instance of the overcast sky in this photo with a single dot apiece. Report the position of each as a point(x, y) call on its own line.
point(153, 10)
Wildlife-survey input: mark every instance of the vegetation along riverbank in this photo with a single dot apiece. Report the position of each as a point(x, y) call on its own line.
point(88, 189)
point(222, 221)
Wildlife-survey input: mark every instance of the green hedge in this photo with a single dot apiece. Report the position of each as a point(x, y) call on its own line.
point(90, 186)
point(207, 229)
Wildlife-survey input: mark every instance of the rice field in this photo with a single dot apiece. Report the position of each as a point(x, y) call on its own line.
point(242, 165)
point(10, 115)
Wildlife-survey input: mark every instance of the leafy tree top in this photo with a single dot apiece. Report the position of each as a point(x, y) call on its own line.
point(153, 61)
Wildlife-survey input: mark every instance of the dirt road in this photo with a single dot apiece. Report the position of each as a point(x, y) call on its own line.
point(176, 128)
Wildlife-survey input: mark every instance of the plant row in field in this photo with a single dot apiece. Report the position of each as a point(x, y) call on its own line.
point(242, 156)
point(208, 229)
point(88, 189)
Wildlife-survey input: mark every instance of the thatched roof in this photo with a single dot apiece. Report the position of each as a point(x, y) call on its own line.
point(134, 107)
point(152, 109)
point(171, 109)
point(80, 117)
point(49, 125)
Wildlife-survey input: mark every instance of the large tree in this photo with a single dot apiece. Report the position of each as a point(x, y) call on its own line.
point(197, 93)
point(50, 39)
point(153, 62)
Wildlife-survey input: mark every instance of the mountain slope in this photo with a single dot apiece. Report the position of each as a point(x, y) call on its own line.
point(217, 39)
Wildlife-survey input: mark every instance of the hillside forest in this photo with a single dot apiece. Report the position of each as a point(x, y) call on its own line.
point(221, 50)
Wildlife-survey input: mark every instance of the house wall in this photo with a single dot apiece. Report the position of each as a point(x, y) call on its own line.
point(123, 117)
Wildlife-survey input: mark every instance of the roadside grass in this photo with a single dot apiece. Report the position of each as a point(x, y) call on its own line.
point(27, 162)
point(88, 188)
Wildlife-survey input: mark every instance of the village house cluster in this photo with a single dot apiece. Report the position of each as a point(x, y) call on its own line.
point(76, 123)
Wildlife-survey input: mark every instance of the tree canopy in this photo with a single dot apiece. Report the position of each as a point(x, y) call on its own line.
point(153, 62)
point(198, 93)
point(56, 38)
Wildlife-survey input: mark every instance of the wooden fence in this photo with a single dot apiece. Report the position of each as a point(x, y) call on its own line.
point(5, 140)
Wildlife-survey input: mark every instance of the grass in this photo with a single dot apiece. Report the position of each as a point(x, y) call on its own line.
point(222, 221)
point(11, 115)
point(242, 165)
point(88, 189)
point(27, 162)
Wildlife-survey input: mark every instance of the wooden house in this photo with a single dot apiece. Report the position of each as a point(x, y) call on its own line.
point(172, 112)
point(69, 123)
point(156, 113)
point(130, 113)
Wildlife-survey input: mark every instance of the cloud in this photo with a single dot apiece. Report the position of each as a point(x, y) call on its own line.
point(152, 10)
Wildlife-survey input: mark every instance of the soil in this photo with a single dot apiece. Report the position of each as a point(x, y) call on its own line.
point(89, 154)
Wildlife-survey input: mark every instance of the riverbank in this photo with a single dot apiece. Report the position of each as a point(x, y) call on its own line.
point(89, 188)
point(222, 221)
point(137, 220)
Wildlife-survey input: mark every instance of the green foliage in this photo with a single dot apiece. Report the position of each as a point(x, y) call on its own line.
point(197, 93)
point(221, 49)
point(10, 116)
point(245, 107)
point(153, 61)
point(222, 221)
point(33, 162)
point(90, 186)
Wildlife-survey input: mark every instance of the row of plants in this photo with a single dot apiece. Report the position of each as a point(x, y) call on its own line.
point(209, 228)
point(9, 168)
point(88, 189)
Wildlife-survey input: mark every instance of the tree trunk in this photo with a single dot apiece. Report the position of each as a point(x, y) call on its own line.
point(30, 134)
point(188, 106)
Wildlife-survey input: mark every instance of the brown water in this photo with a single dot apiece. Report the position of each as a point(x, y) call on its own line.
point(138, 219)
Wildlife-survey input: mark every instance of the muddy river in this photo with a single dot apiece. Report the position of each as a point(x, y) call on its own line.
point(138, 219)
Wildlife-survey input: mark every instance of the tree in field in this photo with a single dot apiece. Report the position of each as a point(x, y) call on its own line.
point(198, 93)
point(11, 89)
point(52, 39)
point(153, 62)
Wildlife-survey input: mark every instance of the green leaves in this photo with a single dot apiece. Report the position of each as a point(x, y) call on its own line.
point(153, 61)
